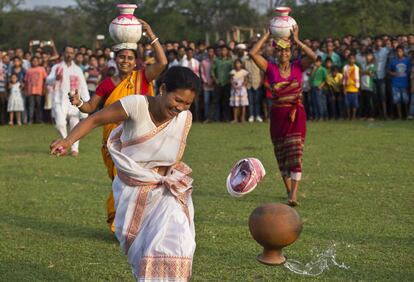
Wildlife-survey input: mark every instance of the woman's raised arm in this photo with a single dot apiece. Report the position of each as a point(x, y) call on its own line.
point(310, 57)
point(254, 52)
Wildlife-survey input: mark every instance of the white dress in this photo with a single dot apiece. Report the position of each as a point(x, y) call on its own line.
point(16, 102)
point(238, 92)
point(154, 213)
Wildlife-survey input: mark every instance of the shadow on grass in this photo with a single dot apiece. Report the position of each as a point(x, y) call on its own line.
point(61, 228)
point(26, 271)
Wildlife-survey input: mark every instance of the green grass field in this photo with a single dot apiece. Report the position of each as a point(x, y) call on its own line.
point(357, 190)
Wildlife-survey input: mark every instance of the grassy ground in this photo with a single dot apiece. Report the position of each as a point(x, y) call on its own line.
point(357, 190)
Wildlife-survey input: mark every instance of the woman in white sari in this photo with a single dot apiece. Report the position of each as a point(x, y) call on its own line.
point(154, 220)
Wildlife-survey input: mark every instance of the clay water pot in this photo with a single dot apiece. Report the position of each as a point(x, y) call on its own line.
point(126, 28)
point(274, 226)
point(282, 23)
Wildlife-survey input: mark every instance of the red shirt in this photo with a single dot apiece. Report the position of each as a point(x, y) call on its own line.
point(106, 87)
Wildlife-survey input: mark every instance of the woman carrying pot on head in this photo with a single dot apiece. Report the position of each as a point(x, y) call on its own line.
point(152, 188)
point(287, 114)
point(128, 81)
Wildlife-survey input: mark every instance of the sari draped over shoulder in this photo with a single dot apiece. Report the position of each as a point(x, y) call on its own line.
point(136, 83)
point(287, 119)
point(154, 213)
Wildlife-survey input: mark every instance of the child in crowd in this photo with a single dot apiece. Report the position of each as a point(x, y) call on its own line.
point(399, 70)
point(34, 88)
point(334, 83)
point(238, 94)
point(17, 68)
point(367, 85)
point(351, 86)
point(318, 79)
point(16, 102)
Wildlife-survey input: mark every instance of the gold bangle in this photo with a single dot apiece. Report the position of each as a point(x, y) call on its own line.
point(155, 40)
point(81, 103)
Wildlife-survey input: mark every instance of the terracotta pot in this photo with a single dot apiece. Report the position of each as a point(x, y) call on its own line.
point(274, 226)
point(126, 28)
point(281, 25)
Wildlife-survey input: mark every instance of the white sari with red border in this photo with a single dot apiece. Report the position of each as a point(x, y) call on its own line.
point(154, 213)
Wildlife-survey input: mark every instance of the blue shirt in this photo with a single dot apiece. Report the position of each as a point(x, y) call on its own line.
point(402, 67)
point(381, 61)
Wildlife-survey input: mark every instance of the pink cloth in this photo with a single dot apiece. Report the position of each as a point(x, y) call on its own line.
point(287, 117)
point(35, 78)
point(205, 69)
point(244, 177)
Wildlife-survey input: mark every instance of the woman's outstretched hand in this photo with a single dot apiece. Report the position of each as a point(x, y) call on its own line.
point(74, 98)
point(59, 147)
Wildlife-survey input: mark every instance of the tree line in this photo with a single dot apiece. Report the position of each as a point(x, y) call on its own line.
point(192, 19)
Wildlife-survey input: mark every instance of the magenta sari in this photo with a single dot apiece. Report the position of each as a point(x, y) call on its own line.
point(287, 119)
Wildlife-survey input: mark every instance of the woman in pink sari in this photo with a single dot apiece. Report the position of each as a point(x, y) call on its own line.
point(287, 114)
point(152, 190)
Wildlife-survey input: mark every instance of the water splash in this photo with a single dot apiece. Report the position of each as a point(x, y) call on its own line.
point(318, 265)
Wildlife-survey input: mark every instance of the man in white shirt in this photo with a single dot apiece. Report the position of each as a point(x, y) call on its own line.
point(241, 52)
point(190, 62)
point(172, 58)
point(181, 55)
point(67, 78)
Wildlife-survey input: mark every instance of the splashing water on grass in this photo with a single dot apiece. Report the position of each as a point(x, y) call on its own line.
point(318, 265)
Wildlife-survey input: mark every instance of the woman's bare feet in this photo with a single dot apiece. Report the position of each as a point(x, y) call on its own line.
point(293, 203)
point(293, 195)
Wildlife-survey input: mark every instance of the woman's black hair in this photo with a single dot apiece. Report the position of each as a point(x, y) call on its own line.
point(134, 51)
point(181, 78)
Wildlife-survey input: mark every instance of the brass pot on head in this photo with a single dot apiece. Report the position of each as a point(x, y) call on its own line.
point(274, 226)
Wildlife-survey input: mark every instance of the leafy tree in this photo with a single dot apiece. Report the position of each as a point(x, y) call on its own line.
point(192, 19)
point(7, 5)
point(64, 25)
point(336, 18)
point(177, 19)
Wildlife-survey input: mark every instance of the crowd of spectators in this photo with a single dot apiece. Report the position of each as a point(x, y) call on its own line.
point(353, 78)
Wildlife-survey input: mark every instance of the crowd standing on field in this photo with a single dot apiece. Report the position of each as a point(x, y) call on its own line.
point(353, 78)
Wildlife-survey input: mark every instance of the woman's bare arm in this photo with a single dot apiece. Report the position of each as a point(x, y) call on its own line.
point(254, 52)
point(310, 57)
point(87, 107)
point(153, 71)
point(115, 113)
